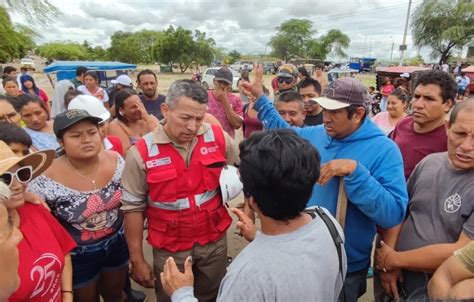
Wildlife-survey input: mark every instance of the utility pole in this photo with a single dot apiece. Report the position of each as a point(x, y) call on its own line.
point(403, 47)
point(391, 53)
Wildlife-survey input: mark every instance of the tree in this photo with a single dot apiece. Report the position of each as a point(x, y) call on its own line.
point(294, 39)
point(39, 12)
point(443, 26)
point(17, 40)
point(233, 56)
point(63, 51)
point(133, 47)
point(181, 47)
point(414, 61)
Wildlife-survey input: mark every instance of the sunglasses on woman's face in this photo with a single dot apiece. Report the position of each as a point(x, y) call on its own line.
point(23, 175)
point(287, 81)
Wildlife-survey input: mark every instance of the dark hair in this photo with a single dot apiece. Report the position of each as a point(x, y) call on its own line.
point(372, 88)
point(11, 133)
point(441, 79)
point(69, 95)
point(26, 77)
point(143, 72)
point(308, 82)
point(9, 69)
point(24, 99)
point(279, 170)
point(120, 98)
point(291, 96)
point(401, 94)
point(319, 66)
point(23, 68)
point(94, 75)
point(80, 70)
point(9, 79)
point(351, 110)
point(303, 71)
point(467, 105)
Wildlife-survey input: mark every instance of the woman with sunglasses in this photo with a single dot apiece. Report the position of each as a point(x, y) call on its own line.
point(45, 265)
point(82, 188)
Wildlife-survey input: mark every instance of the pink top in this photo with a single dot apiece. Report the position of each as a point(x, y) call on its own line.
point(382, 121)
point(387, 89)
point(216, 108)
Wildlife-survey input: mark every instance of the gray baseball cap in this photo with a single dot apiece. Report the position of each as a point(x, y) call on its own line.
point(224, 74)
point(342, 93)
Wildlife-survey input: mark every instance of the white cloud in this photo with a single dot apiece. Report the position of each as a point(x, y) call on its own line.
point(246, 26)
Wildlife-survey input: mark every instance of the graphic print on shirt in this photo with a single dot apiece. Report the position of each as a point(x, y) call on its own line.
point(44, 276)
point(453, 203)
point(99, 216)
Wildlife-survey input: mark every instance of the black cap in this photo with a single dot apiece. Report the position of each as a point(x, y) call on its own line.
point(70, 117)
point(224, 74)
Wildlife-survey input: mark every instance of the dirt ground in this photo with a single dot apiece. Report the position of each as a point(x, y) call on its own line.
point(235, 242)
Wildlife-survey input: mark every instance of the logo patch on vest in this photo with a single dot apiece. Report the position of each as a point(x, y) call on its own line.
point(158, 162)
point(205, 150)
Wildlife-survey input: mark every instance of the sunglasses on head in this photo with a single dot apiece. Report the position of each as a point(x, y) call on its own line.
point(285, 80)
point(23, 175)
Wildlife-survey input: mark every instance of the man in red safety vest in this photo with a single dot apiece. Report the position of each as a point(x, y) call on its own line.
point(171, 177)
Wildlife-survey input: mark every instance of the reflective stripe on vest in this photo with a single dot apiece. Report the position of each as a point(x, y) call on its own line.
point(183, 203)
point(209, 136)
point(152, 148)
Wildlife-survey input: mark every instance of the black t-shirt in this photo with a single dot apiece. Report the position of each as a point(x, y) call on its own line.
point(154, 106)
point(313, 120)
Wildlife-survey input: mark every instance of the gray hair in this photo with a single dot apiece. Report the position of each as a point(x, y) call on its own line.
point(4, 191)
point(187, 88)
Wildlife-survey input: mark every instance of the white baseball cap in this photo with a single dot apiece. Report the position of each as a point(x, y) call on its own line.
point(230, 183)
point(123, 80)
point(91, 104)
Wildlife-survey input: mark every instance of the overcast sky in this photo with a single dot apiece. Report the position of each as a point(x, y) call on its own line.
point(246, 26)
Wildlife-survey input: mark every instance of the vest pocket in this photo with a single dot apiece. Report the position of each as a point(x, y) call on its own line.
point(162, 185)
point(219, 219)
point(212, 171)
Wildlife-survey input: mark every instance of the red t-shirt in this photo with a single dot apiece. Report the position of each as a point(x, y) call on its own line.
point(113, 143)
point(415, 146)
point(42, 250)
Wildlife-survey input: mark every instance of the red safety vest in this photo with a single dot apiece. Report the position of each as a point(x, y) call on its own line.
point(184, 202)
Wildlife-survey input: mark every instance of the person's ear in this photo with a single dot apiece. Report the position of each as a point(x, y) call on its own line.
point(164, 110)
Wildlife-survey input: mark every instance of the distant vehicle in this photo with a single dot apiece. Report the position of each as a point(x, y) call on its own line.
point(208, 78)
point(362, 64)
point(107, 71)
point(268, 68)
point(241, 65)
point(395, 72)
point(27, 63)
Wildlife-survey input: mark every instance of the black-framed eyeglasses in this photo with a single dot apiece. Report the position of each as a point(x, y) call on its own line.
point(23, 174)
point(285, 80)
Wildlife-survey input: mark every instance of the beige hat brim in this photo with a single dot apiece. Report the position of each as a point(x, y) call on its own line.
point(330, 104)
point(39, 161)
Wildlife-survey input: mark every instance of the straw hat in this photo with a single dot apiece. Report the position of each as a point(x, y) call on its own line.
point(39, 161)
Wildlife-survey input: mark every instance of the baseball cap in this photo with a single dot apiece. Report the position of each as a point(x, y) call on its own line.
point(342, 93)
point(91, 104)
point(224, 74)
point(405, 75)
point(123, 80)
point(288, 70)
point(68, 118)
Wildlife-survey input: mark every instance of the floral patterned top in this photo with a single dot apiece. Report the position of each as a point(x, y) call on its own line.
point(89, 216)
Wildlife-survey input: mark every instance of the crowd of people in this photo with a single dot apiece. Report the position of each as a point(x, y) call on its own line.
point(85, 172)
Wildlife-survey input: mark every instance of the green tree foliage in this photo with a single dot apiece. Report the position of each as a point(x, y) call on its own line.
point(295, 39)
point(38, 12)
point(443, 26)
point(414, 61)
point(179, 46)
point(63, 51)
point(133, 47)
point(16, 40)
point(233, 56)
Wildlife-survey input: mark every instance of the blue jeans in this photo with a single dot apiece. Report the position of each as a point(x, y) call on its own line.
point(355, 286)
point(88, 261)
point(383, 103)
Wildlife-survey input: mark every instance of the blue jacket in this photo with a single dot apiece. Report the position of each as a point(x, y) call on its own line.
point(376, 190)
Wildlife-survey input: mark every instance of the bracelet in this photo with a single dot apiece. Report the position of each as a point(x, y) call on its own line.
point(67, 291)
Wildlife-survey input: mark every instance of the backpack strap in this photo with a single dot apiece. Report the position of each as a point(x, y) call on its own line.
point(336, 237)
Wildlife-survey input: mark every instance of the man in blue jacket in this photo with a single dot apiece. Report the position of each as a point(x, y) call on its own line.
point(354, 150)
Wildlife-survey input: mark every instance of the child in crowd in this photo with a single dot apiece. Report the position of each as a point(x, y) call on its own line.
point(16, 138)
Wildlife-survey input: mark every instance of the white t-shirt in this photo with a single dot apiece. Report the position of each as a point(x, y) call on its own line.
point(100, 91)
